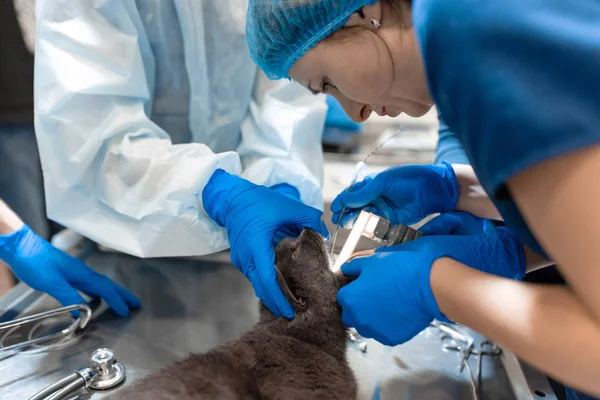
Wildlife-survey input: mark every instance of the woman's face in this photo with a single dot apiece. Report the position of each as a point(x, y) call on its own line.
point(368, 69)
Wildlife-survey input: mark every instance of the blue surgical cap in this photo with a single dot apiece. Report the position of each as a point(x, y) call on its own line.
point(280, 32)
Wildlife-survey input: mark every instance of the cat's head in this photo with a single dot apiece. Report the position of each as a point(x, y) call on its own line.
point(304, 274)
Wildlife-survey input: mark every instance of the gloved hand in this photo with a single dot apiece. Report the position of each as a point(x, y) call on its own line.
point(253, 215)
point(292, 193)
point(391, 300)
point(287, 190)
point(457, 223)
point(403, 194)
point(45, 268)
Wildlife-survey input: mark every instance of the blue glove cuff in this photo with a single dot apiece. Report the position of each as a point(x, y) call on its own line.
point(287, 190)
point(454, 188)
point(221, 189)
point(10, 241)
point(9, 244)
point(431, 303)
point(515, 248)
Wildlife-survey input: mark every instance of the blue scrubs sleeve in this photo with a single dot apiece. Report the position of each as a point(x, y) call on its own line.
point(449, 148)
point(517, 81)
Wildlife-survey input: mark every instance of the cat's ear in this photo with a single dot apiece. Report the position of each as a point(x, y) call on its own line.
point(298, 303)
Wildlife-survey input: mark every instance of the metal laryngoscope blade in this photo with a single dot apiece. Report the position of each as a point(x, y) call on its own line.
point(360, 168)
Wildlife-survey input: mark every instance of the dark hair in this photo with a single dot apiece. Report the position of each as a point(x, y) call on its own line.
point(346, 33)
point(396, 7)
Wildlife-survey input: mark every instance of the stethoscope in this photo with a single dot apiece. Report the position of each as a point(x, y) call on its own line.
point(103, 373)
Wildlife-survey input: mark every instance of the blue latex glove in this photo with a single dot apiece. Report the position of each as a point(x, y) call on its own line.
point(253, 215)
point(287, 190)
point(292, 193)
point(457, 223)
point(391, 300)
point(403, 194)
point(45, 268)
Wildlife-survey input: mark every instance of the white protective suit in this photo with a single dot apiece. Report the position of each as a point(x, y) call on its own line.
point(138, 102)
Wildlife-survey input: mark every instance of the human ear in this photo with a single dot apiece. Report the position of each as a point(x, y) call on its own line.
point(368, 17)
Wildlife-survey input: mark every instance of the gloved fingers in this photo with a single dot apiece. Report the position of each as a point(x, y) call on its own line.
point(86, 279)
point(368, 333)
point(66, 295)
point(264, 261)
point(131, 300)
point(103, 287)
point(279, 236)
point(356, 266)
point(359, 184)
point(348, 219)
point(381, 208)
point(349, 320)
point(312, 220)
point(287, 190)
point(261, 293)
point(444, 224)
point(359, 197)
point(73, 269)
point(288, 231)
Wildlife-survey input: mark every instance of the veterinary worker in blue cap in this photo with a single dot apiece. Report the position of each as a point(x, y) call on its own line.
point(517, 83)
point(159, 137)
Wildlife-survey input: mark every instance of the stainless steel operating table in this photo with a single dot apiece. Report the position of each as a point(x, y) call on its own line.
point(193, 305)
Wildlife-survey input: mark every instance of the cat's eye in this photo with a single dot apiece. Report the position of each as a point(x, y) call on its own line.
point(293, 253)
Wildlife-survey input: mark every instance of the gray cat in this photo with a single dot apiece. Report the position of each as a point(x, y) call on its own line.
point(304, 358)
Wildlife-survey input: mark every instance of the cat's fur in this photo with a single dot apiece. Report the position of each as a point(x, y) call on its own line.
point(304, 358)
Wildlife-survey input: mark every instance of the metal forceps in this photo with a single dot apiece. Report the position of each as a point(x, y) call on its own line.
point(486, 348)
point(462, 343)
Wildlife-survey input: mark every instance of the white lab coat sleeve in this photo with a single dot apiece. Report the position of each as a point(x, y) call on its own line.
point(110, 173)
point(281, 138)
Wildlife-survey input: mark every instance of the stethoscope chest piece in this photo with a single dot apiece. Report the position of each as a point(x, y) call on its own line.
point(110, 372)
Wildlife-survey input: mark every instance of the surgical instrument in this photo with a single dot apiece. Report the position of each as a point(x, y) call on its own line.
point(454, 340)
point(360, 169)
point(486, 348)
point(378, 229)
point(360, 166)
point(458, 337)
point(85, 313)
point(103, 373)
point(358, 340)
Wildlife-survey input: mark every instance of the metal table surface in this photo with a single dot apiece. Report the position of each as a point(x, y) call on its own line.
point(193, 305)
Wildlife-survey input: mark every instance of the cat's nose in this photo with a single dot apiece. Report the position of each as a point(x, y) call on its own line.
point(309, 233)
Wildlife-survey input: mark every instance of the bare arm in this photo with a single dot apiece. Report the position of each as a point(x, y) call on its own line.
point(472, 198)
point(537, 322)
point(556, 329)
point(560, 196)
point(9, 221)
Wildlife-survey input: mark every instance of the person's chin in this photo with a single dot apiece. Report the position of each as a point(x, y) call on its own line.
point(418, 111)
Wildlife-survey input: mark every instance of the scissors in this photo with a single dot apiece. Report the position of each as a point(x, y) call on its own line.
point(466, 348)
point(462, 343)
